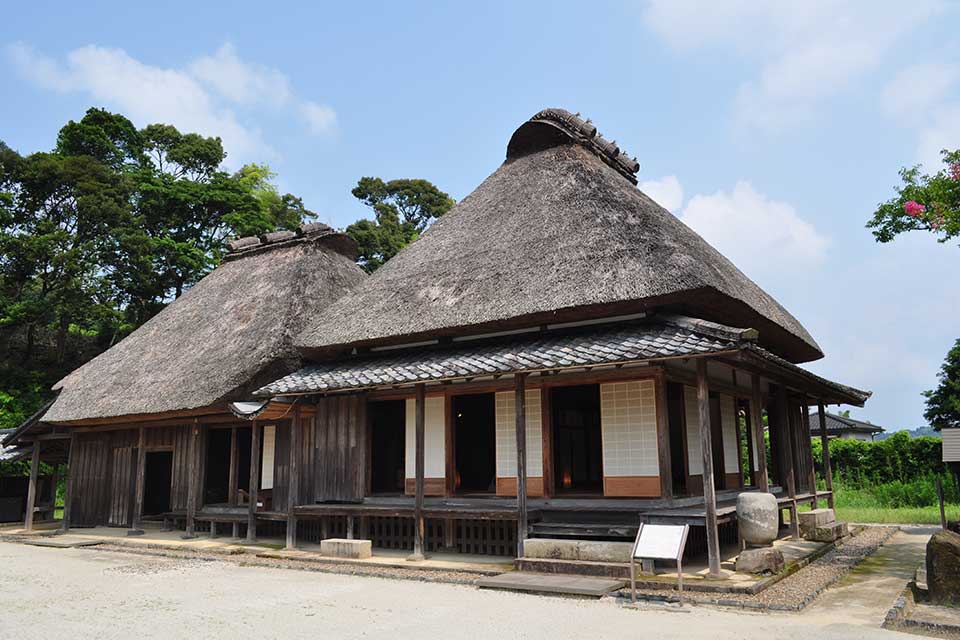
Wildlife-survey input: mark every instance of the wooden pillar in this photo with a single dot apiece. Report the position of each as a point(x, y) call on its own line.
point(783, 417)
point(193, 480)
point(136, 522)
point(520, 411)
point(808, 449)
point(255, 435)
point(419, 526)
point(32, 487)
point(68, 492)
point(293, 487)
point(825, 446)
point(756, 422)
point(664, 459)
point(709, 493)
point(234, 469)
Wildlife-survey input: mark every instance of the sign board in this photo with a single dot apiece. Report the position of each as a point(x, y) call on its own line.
point(659, 542)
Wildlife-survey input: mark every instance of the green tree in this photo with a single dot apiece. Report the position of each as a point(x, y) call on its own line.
point(923, 202)
point(402, 210)
point(943, 403)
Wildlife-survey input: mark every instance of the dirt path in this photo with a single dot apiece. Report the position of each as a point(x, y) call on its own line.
point(86, 593)
point(865, 595)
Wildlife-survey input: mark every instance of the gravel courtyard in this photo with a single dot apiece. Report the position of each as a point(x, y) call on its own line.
point(86, 593)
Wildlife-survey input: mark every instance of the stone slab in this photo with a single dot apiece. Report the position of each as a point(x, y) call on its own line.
point(561, 584)
point(810, 520)
point(61, 544)
point(580, 550)
point(346, 548)
point(828, 533)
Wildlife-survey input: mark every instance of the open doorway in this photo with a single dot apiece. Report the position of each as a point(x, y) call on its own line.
point(216, 488)
point(474, 436)
point(577, 440)
point(678, 445)
point(387, 443)
point(157, 477)
point(716, 443)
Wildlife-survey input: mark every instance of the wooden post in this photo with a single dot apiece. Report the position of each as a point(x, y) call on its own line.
point(783, 417)
point(709, 493)
point(68, 492)
point(520, 411)
point(255, 431)
point(136, 524)
point(419, 526)
point(825, 451)
point(664, 460)
point(805, 431)
point(32, 487)
point(756, 422)
point(293, 488)
point(233, 478)
point(193, 479)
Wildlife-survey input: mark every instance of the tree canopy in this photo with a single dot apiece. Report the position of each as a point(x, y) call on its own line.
point(402, 209)
point(943, 403)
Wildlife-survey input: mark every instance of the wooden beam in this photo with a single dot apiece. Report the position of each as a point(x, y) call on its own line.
point(520, 411)
point(825, 450)
point(32, 487)
point(546, 439)
point(419, 528)
point(664, 458)
point(255, 435)
point(756, 422)
point(293, 482)
point(783, 418)
point(69, 489)
point(709, 492)
point(193, 480)
point(136, 524)
point(805, 432)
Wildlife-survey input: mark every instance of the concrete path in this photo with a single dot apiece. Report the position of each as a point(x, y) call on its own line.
point(865, 595)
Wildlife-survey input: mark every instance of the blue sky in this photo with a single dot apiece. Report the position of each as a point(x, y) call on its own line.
point(773, 129)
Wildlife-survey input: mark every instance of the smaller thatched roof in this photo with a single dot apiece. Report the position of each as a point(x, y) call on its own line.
point(228, 335)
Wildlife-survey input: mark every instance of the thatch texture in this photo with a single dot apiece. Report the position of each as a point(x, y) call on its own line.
point(558, 233)
point(228, 335)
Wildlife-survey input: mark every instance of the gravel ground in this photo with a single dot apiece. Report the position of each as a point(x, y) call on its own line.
point(799, 589)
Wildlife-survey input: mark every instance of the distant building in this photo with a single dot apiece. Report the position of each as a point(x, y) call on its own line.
point(951, 448)
point(844, 427)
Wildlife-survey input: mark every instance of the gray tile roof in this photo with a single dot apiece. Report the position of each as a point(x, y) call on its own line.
point(839, 424)
point(533, 352)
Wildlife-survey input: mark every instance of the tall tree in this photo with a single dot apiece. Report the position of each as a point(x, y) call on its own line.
point(402, 210)
point(943, 403)
point(923, 203)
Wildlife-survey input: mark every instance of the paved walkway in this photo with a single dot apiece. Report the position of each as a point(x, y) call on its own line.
point(865, 595)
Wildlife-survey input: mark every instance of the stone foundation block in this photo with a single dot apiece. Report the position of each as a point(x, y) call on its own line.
point(590, 550)
point(810, 520)
point(760, 560)
point(344, 548)
point(828, 533)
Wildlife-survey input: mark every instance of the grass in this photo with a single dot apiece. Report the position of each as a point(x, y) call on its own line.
point(899, 515)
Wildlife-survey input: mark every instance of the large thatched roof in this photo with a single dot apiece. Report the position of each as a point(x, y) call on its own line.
point(558, 233)
point(228, 335)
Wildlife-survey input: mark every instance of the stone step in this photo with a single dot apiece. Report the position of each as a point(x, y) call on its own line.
point(561, 584)
point(827, 533)
point(588, 550)
point(346, 548)
point(810, 520)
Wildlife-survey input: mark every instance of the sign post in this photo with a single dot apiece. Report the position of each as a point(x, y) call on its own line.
point(659, 542)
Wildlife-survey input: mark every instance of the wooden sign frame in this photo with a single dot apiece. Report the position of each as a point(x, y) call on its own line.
point(668, 554)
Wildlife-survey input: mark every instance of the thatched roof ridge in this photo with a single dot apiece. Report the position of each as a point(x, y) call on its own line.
point(228, 335)
point(555, 234)
point(307, 232)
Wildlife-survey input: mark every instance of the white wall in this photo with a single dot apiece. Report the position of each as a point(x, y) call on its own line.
point(728, 421)
point(434, 460)
point(731, 447)
point(506, 434)
point(691, 416)
point(628, 419)
point(269, 448)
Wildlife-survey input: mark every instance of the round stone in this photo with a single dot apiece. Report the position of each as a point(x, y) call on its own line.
point(757, 518)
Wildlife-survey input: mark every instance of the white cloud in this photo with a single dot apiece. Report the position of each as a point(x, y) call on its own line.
point(203, 97)
point(319, 118)
point(736, 223)
point(666, 192)
point(804, 51)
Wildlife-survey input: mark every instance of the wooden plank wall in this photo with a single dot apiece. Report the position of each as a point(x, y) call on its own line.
point(336, 457)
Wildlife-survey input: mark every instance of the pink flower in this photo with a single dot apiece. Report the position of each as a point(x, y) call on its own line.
point(913, 209)
point(955, 171)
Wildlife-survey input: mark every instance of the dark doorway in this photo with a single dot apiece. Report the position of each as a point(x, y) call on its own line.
point(716, 443)
point(474, 437)
point(678, 449)
point(387, 446)
point(217, 470)
point(157, 476)
point(577, 441)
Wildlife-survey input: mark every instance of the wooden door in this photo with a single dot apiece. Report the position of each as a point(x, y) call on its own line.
point(122, 474)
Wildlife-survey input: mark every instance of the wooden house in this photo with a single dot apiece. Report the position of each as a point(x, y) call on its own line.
point(556, 356)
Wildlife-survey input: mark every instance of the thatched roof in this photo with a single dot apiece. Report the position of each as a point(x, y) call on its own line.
point(228, 335)
point(558, 233)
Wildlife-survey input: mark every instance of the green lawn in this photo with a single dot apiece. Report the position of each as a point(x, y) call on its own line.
point(901, 515)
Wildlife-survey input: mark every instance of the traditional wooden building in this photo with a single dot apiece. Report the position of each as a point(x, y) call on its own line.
point(556, 356)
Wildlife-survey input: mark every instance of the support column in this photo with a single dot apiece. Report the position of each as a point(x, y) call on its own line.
point(68, 492)
point(419, 526)
point(293, 488)
point(664, 459)
point(825, 446)
point(193, 480)
point(756, 422)
point(709, 493)
point(520, 410)
point(232, 482)
point(808, 448)
point(136, 522)
point(255, 435)
point(32, 487)
point(783, 417)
